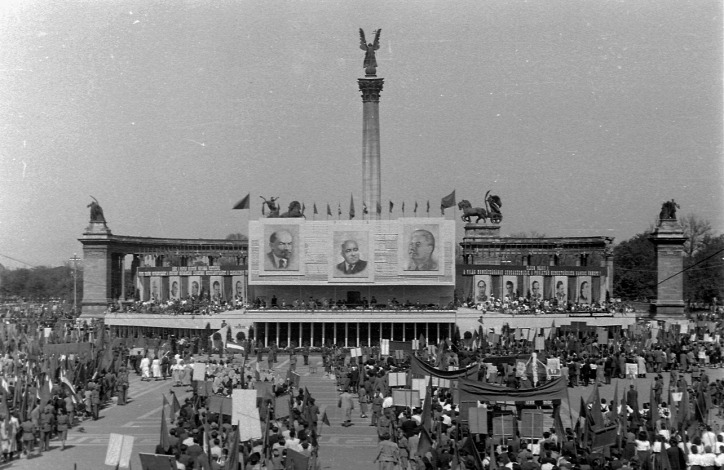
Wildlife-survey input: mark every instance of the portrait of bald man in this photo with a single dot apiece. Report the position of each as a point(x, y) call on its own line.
point(352, 264)
point(281, 255)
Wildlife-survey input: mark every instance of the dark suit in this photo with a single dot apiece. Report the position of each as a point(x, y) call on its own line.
point(358, 267)
point(270, 263)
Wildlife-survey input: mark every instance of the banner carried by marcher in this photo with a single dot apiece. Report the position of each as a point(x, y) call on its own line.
point(245, 412)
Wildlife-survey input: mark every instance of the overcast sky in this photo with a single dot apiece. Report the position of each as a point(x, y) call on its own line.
point(583, 116)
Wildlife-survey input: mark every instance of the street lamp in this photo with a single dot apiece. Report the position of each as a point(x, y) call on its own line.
point(75, 260)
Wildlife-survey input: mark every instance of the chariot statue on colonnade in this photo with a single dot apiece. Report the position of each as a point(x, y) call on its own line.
point(490, 211)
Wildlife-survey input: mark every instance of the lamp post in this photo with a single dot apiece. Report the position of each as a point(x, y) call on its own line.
point(75, 260)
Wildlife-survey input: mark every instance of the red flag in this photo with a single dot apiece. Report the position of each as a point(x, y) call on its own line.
point(351, 206)
point(425, 444)
point(325, 420)
point(315, 209)
point(329, 210)
point(392, 204)
point(165, 436)
point(447, 201)
point(233, 462)
point(244, 203)
point(427, 407)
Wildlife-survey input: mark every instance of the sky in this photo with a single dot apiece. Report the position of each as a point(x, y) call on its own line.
point(583, 116)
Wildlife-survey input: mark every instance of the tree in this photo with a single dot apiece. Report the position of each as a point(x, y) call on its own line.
point(634, 268)
point(237, 236)
point(696, 230)
point(704, 278)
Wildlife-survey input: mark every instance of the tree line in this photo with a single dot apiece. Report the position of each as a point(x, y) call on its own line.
point(634, 261)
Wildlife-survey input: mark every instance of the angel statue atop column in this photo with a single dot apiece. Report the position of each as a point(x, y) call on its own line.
point(370, 63)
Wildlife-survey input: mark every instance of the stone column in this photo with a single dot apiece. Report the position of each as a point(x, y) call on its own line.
point(668, 239)
point(371, 87)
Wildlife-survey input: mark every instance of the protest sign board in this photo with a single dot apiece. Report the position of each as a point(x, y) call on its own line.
point(199, 371)
point(406, 397)
point(398, 379)
point(245, 412)
point(118, 453)
point(478, 420)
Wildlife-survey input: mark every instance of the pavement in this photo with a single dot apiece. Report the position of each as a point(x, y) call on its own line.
point(348, 448)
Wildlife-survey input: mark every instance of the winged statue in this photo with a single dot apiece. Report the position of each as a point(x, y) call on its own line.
point(370, 63)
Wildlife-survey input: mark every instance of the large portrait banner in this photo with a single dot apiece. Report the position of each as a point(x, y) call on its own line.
point(536, 288)
point(281, 249)
point(481, 288)
point(175, 288)
point(583, 291)
point(510, 287)
point(194, 287)
point(420, 249)
point(560, 289)
point(217, 288)
point(350, 257)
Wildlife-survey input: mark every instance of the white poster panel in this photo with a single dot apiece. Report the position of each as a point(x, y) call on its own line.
point(155, 288)
point(385, 347)
point(245, 413)
point(199, 371)
point(553, 367)
point(419, 249)
point(510, 287)
point(535, 287)
point(397, 379)
point(632, 371)
point(560, 289)
point(481, 287)
point(438, 382)
point(350, 257)
point(421, 386)
point(583, 290)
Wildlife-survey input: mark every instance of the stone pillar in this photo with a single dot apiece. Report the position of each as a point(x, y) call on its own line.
point(371, 87)
point(668, 239)
point(97, 268)
point(607, 262)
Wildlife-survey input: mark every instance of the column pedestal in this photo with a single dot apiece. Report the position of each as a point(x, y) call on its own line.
point(668, 240)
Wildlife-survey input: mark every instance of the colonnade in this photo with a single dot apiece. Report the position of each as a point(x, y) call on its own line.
point(348, 334)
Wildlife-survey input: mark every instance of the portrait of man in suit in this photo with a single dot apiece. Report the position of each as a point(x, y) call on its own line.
point(352, 263)
point(420, 249)
point(281, 251)
point(350, 253)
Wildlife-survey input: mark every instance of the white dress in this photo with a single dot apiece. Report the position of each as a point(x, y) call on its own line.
point(156, 368)
point(145, 369)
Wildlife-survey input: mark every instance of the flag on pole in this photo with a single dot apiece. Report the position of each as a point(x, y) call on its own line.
point(392, 204)
point(447, 201)
point(244, 203)
point(165, 436)
point(351, 207)
point(325, 419)
point(415, 209)
point(403, 207)
point(379, 208)
point(339, 209)
point(315, 209)
point(303, 208)
point(428, 206)
point(329, 210)
point(364, 208)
